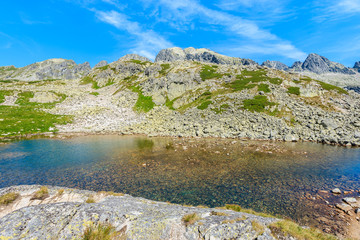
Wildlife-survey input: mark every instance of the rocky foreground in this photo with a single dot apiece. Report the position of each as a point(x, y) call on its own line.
point(35, 212)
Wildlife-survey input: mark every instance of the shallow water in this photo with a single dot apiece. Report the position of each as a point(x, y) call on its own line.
point(272, 177)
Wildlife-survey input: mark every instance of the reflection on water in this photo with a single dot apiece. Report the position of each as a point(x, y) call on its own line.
point(268, 177)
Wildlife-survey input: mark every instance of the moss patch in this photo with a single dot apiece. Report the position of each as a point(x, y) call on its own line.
point(104, 67)
point(294, 90)
point(287, 228)
point(209, 72)
point(95, 93)
point(264, 88)
point(257, 104)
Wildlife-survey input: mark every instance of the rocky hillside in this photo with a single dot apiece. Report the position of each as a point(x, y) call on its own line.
point(39, 212)
point(49, 69)
point(192, 97)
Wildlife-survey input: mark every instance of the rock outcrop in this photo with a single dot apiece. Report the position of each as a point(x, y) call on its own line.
point(101, 64)
point(320, 65)
point(201, 55)
point(275, 65)
point(64, 214)
point(49, 69)
point(357, 66)
point(134, 57)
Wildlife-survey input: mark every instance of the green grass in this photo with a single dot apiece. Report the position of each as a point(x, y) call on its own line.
point(4, 69)
point(89, 80)
point(221, 109)
point(258, 227)
point(238, 208)
point(95, 93)
point(287, 228)
point(204, 105)
point(139, 62)
point(4, 93)
point(250, 79)
point(169, 103)
point(164, 69)
point(143, 103)
point(102, 232)
point(8, 198)
point(104, 67)
point(257, 104)
point(264, 87)
point(209, 72)
point(294, 90)
point(330, 87)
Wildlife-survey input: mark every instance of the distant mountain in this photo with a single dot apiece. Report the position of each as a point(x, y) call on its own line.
point(275, 65)
point(320, 65)
point(357, 66)
point(201, 55)
point(56, 68)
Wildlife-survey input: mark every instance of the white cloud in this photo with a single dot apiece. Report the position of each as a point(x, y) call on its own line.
point(186, 10)
point(147, 42)
point(333, 10)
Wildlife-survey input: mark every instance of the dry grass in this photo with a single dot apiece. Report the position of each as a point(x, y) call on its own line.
point(90, 199)
point(8, 198)
point(41, 194)
point(111, 193)
point(231, 221)
point(290, 229)
point(258, 227)
point(213, 213)
point(60, 192)
point(238, 208)
point(190, 219)
point(103, 232)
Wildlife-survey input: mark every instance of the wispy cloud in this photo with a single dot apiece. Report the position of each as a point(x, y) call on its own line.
point(147, 42)
point(183, 12)
point(26, 20)
point(333, 10)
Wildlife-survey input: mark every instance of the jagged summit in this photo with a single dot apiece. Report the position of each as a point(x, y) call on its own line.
point(134, 57)
point(275, 65)
point(320, 65)
point(101, 64)
point(200, 55)
point(357, 66)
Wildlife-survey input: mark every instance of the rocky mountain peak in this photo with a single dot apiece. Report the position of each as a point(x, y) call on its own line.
point(357, 66)
point(101, 64)
point(320, 65)
point(275, 65)
point(200, 55)
point(134, 57)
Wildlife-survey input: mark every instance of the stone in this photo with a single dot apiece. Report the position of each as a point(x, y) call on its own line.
point(344, 207)
point(101, 64)
point(336, 191)
point(349, 200)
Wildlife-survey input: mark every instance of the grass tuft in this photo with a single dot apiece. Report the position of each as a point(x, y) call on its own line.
point(190, 219)
point(164, 68)
point(204, 105)
point(41, 194)
point(238, 208)
point(287, 229)
point(258, 227)
point(330, 87)
point(264, 87)
point(89, 80)
point(8, 198)
point(102, 232)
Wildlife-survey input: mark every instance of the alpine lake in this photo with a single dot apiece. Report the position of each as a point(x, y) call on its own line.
point(290, 180)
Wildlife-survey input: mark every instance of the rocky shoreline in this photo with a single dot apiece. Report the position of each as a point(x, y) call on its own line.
point(39, 212)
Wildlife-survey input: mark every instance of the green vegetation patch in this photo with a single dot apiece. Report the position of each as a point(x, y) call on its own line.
point(143, 103)
point(264, 87)
point(169, 103)
point(139, 62)
point(164, 68)
point(209, 72)
point(294, 90)
point(103, 67)
point(221, 109)
point(89, 80)
point(250, 79)
point(95, 93)
point(204, 105)
point(330, 87)
point(8, 198)
point(238, 208)
point(257, 104)
point(4, 93)
point(290, 229)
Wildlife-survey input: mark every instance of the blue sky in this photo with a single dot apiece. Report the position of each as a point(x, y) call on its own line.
point(94, 30)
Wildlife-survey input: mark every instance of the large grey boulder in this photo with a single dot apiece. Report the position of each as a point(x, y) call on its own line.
point(275, 65)
point(67, 215)
point(200, 55)
point(320, 65)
